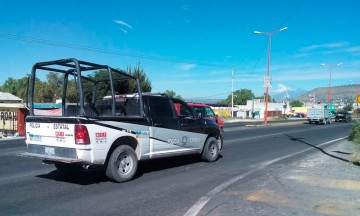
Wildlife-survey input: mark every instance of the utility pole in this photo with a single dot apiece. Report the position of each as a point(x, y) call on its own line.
point(267, 78)
point(232, 92)
point(329, 89)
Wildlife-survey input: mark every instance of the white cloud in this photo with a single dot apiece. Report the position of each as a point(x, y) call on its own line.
point(325, 46)
point(187, 67)
point(355, 49)
point(186, 8)
point(281, 88)
point(123, 24)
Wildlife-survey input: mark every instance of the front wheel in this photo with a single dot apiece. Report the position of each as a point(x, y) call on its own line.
point(211, 150)
point(122, 164)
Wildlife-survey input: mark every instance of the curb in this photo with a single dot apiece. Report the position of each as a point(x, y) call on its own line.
point(276, 123)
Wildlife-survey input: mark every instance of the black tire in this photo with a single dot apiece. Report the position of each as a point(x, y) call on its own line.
point(211, 150)
point(68, 168)
point(122, 164)
point(220, 142)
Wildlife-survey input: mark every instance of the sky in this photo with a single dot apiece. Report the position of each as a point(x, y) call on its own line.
point(190, 46)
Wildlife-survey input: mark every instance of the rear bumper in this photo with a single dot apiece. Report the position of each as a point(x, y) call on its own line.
point(52, 153)
point(50, 158)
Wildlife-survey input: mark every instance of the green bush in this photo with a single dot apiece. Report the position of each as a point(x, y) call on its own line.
point(282, 117)
point(355, 133)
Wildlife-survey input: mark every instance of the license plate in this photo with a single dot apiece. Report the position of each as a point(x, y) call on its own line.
point(49, 151)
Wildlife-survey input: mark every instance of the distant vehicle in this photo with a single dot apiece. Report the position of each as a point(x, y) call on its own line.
point(297, 115)
point(205, 111)
point(319, 115)
point(343, 116)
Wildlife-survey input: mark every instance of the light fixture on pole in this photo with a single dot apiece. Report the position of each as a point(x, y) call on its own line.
point(267, 78)
point(330, 69)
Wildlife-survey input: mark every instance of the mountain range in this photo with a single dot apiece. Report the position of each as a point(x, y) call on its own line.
point(345, 93)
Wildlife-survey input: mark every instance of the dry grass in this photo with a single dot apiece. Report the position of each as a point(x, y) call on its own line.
point(355, 157)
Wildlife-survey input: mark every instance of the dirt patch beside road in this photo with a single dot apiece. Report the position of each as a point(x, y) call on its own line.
point(323, 183)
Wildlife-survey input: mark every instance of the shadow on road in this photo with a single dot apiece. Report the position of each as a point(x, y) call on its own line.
point(84, 177)
point(318, 148)
point(97, 175)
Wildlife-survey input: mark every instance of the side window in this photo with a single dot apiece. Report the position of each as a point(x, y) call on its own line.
point(199, 111)
point(210, 113)
point(182, 110)
point(160, 107)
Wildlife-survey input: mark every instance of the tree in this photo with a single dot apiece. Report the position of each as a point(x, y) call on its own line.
point(240, 97)
point(121, 86)
point(296, 103)
point(51, 89)
point(145, 83)
point(173, 94)
point(348, 107)
point(264, 96)
point(11, 85)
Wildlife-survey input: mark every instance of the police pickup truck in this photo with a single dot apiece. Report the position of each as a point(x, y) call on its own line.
point(103, 118)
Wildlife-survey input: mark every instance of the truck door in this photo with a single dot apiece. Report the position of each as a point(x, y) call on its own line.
point(168, 133)
point(193, 135)
point(165, 127)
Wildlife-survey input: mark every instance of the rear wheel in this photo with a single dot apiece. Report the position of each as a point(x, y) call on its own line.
point(211, 150)
point(122, 164)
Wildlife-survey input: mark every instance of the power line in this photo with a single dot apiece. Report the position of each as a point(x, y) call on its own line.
point(283, 23)
point(94, 49)
point(293, 12)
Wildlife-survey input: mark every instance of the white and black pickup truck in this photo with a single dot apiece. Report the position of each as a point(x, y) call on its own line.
point(99, 121)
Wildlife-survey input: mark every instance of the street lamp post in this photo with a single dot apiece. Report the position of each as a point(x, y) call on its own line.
point(330, 68)
point(356, 96)
point(267, 79)
point(232, 92)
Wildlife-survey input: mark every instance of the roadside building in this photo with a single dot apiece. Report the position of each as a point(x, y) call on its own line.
point(12, 114)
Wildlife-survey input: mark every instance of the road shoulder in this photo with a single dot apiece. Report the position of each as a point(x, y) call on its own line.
point(322, 183)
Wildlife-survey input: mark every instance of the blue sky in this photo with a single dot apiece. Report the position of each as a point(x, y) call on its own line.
point(189, 46)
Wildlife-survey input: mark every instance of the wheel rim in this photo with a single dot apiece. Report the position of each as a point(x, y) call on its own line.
point(213, 149)
point(124, 164)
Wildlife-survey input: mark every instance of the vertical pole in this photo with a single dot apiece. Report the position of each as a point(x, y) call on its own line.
point(357, 104)
point(267, 88)
point(232, 92)
point(329, 90)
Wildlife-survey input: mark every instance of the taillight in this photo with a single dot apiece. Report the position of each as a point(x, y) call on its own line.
point(81, 135)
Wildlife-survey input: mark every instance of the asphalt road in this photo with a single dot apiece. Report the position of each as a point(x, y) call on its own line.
point(176, 186)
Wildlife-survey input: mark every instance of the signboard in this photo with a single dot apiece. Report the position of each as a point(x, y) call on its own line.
point(267, 81)
point(8, 118)
point(358, 99)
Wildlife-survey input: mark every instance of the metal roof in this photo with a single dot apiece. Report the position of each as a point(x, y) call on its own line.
point(8, 97)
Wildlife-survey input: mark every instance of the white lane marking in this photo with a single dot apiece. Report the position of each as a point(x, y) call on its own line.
point(280, 133)
point(195, 209)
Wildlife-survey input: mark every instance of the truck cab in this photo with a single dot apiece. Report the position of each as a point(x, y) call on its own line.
point(205, 111)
